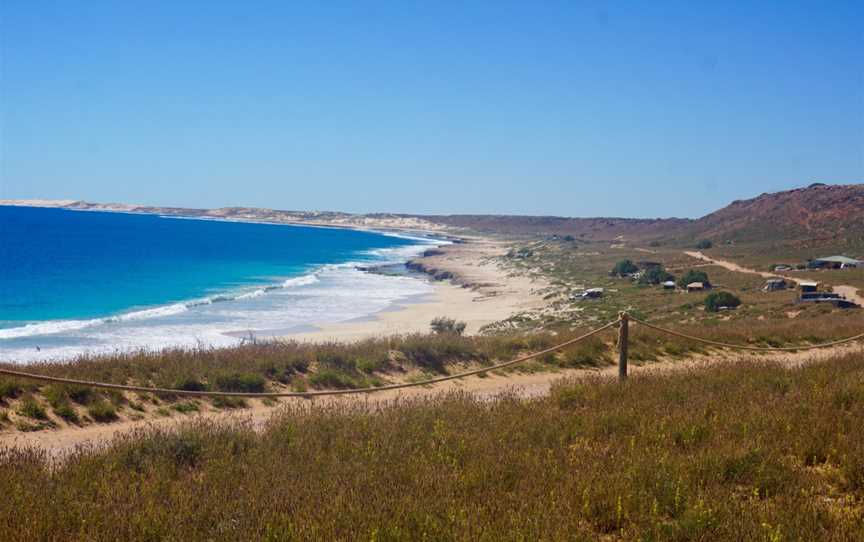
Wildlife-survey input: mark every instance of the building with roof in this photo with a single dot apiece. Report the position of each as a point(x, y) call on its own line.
point(834, 262)
point(808, 285)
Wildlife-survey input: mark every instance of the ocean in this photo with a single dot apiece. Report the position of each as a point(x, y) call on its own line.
point(76, 282)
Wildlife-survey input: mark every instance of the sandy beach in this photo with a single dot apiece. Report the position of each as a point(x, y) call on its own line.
point(480, 293)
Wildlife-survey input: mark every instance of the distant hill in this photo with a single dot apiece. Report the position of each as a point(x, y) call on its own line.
point(818, 214)
point(804, 215)
point(608, 229)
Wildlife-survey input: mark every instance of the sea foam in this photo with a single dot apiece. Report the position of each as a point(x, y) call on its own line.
point(329, 294)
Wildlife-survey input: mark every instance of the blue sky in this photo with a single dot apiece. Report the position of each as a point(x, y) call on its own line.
point(564, 108)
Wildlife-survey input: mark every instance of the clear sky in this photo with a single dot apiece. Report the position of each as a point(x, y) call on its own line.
point(566, 108)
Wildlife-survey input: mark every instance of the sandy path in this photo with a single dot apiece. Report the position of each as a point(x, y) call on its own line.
point(67, 438)
point(849, 292)
point(732, 266)
point(531, 385)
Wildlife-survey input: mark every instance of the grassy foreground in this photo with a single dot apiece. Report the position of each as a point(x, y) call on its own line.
point(743, 452)
point(291, 366)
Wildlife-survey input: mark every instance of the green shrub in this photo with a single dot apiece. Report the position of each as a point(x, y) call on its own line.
point(655, 275)
point(9, 388)
point(331, 379)
point(30, 408)
point(371, 365)
point(67, 412)
point(715, 300)
point(191, 384)
point(589, 353)
point(433, 353)
point(116, 397)
point(624, 267)
point(299, 385)
point(186, 407)
point(102, 411)
point(693, 275)
point(704, 244)
point(229, 402)
point(55, 395)
point(80, 394)
point(241, 383)
point(447, 326)
point(336, 360)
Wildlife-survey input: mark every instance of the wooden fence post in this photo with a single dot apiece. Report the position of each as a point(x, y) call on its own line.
point(623, 336)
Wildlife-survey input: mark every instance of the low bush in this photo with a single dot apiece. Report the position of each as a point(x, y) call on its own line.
point(80, 394)
point(715, 300)
point(693, 275)
point(623, 268)
point(55, 395)
point(329, 378)
point(30, 408)
point(655, 275)
point(434, 352)
point(334, 360)
point(299, 385)
point(241, 383)
point(186, 407)
point(67, 412)
point(447, 326)
point(592, 352)
point(102, 411)
point(9, 388)
point(191, 384)
point(372, 365)
point(229, 402)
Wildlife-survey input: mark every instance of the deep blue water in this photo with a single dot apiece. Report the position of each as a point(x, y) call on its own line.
point(72, 279)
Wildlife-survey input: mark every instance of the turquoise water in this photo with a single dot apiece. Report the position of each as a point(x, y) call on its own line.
point(74, 282)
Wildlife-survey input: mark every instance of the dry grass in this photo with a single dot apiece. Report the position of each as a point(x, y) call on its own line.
point(290, 366)
point(746, 452)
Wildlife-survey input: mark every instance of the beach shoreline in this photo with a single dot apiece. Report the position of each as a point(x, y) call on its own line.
point(476, 290)
point(29, 338)
point(464, 272)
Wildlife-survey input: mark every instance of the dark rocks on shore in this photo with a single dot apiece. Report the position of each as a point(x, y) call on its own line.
point(390, 269)
point(436, 274)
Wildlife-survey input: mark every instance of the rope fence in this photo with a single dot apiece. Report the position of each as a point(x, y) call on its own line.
point(190, 393)
point(748, 347)
point(622, 322)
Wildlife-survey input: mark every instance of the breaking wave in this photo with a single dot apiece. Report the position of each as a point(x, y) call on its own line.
point(61, 326)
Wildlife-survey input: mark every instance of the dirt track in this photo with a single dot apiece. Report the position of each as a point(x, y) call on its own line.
point(849, 292)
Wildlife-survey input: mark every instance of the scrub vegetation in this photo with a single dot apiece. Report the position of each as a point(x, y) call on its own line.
point(733, 452)
point(294, 366)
